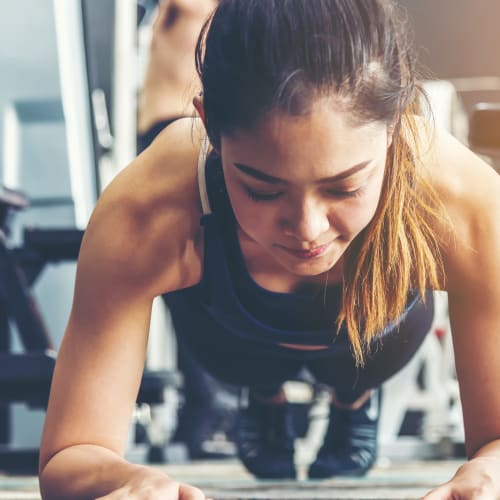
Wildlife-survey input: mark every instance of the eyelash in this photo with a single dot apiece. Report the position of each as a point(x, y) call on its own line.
point(255, 196)
point(348, 194)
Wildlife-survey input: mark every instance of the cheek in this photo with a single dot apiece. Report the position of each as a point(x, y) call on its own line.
point(252, 217)
point(353, 216)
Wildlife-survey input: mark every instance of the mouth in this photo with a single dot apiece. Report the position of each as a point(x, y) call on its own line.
point(307, 254)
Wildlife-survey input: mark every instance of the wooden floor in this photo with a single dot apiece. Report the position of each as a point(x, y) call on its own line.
point(227, 480)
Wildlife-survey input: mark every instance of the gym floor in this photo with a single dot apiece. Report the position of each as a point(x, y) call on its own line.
point(227, 480)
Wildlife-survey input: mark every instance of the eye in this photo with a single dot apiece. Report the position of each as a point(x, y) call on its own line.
point(257, 196)
point(339, 193)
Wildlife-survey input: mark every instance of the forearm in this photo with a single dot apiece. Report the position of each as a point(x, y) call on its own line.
point(84, 472)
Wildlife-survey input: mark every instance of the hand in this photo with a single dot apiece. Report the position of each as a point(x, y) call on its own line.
point(478, 479)
point(148, 483)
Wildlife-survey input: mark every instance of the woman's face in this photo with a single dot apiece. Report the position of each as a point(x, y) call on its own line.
point(302, 188)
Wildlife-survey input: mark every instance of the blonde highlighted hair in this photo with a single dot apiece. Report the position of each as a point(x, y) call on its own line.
point(398, 251)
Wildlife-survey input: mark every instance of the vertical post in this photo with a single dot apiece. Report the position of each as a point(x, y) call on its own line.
point(76, 104)
point(4, 347)
point(126, 76)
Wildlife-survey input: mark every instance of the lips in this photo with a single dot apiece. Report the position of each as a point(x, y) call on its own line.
point(307, 254)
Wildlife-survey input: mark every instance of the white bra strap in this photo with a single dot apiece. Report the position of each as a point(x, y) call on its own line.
point(202, 182)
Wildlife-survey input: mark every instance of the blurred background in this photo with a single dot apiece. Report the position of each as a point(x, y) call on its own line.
point(74, 110)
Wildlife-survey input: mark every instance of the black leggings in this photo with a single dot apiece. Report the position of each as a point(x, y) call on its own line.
point(264, 368)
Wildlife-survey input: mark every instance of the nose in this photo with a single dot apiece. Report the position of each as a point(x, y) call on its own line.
point(306, 222)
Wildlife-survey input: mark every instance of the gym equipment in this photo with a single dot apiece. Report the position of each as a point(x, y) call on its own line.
point(145, 11)
point(26, 377)
point(484, 131)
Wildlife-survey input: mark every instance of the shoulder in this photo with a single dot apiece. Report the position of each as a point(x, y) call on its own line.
point(145, 227)
point(469, 189)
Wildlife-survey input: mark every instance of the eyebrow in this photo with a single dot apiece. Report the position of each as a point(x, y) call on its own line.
point(270, 179)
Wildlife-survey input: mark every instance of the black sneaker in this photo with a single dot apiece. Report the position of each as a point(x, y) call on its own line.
point(265, 440)
point(350, 444)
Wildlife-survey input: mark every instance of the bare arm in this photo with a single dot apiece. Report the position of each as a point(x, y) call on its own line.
point(143, 240)
point(471, 191)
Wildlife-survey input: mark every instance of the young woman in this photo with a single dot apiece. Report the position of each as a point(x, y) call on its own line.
point(299, 223)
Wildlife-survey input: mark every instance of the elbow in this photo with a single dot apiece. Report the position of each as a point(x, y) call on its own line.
point(47, 481)
point(53, 477)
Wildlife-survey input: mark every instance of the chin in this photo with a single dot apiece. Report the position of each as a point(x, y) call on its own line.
point(310, 267)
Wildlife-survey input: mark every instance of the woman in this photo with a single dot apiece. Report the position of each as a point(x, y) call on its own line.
point(322, 193)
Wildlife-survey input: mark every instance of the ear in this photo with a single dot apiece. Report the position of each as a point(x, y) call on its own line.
point(390, 135)
point(198, 104)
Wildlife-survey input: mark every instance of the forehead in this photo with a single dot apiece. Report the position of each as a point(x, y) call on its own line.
point(325, 140)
